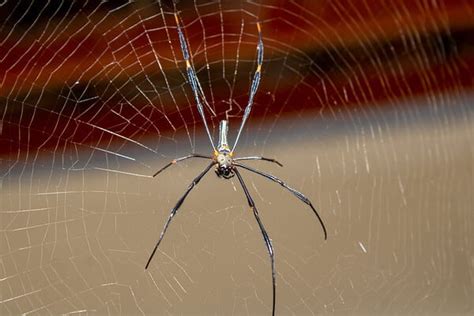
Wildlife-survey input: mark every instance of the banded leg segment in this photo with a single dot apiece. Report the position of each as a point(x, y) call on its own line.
point(176, 208)
point(254, 85)
point(193, 79)
point(296, 193)
point(174, 161)
point(266, 238)
point(259, 158)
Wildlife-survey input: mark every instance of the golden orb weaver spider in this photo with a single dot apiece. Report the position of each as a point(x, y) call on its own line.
point(223, 157)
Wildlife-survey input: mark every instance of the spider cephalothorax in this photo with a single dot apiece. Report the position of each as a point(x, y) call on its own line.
point(226, 165)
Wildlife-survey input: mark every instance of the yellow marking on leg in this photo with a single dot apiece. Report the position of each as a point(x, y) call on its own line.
point(259, 67)
point(188, 64)
point(176, 18)
point(258, 27)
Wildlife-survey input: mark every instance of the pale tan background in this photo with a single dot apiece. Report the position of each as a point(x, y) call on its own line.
point(394, 189)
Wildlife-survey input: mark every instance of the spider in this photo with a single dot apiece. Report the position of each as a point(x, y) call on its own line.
point(226, 165)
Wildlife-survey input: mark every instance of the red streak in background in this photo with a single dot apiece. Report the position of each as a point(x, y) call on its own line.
point(33, 70)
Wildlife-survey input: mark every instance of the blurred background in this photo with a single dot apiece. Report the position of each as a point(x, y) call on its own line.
point(368, 105)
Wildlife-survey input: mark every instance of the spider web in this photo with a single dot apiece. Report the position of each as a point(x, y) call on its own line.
point(368, 104)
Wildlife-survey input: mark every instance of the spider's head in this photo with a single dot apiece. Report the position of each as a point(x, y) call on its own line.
point(225, 167)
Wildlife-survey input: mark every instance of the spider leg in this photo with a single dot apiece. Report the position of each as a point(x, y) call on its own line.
point(267, 239)
point(298, 194)
point(254, 85)
point(176, 208)
point(259, 158)
point(193, 79)
point(174, 161)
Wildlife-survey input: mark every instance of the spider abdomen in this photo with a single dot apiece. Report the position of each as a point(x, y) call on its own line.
point(225, 167)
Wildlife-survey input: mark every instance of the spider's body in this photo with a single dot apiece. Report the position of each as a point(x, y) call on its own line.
point(223, 155)
point(226, 166)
